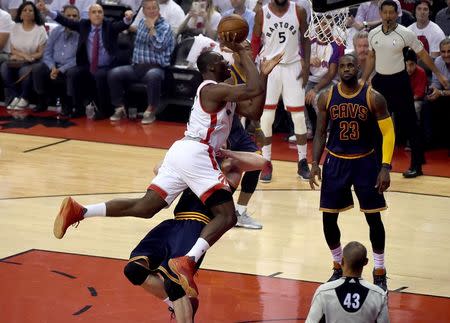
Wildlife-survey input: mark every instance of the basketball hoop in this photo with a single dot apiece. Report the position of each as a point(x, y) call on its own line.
point(328, 26)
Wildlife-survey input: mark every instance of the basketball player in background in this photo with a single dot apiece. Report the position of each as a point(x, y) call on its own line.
point(280, 26)
point(350, 298)
point(353, 111)
point(207, 131)
point(148, 264)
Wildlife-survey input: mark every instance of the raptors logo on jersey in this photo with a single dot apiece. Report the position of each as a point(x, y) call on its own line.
point(281, 34)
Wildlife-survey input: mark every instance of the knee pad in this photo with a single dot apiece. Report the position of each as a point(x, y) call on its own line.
point(267, 119)
point(136, 272)
point(174, 291)
point(298, 118)
point(218, 197)
point(249, 181)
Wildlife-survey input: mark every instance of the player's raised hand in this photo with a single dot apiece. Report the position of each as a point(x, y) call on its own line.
point(315, 171)
point(267, 65)
point(383, 180)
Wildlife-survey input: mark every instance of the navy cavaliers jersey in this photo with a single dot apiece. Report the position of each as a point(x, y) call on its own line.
point(190, 207)
point(351, 123)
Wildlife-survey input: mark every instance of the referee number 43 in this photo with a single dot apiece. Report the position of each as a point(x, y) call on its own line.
point(352, 300)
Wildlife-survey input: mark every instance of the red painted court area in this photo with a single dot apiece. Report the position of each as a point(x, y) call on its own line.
point(43, 286)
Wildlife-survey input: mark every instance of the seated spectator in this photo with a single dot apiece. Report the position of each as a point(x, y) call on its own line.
point(350, 298)
point(418, 79)
point(427, 31)
point(96, 54)
point(323, 68)
point(202, 18)
point(439, 98)
point(82, 5)
point(443, 19)
point(6, 25)
point(28, 38)
point(240, 9)
point(153, 47)
point(169, 10)
point(58, 63)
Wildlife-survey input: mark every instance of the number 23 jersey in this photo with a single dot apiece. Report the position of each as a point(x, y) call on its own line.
point(281, 34)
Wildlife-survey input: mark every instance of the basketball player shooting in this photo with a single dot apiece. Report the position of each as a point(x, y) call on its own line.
point(190, 161)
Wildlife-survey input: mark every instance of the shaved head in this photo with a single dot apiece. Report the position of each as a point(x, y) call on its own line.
point(355, 256)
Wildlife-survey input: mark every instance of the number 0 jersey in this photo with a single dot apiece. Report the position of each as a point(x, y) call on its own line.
point(352, 125)
point(350, 300)
point(281, 34)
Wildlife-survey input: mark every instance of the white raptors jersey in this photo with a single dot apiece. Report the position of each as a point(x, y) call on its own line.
point(211, 128)
point(281, 34)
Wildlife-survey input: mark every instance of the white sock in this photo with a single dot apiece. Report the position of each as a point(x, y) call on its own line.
point(241, 208)
point(337, 254)
point(301, 152)
point(95, 210)
point(267, 152)
point(200, 247)
point(168, 302)
point(378, 260)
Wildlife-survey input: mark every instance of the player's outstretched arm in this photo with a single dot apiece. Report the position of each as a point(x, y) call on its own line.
point(319, 138)
point(379, 109)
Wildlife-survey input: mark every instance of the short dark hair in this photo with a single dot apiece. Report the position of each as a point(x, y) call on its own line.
point(204, 59)
point(389, 3)
point(411, 55)
point(38, 20)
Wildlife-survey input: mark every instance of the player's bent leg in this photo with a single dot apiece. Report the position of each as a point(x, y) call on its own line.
point(333, 238)
point(377, 238)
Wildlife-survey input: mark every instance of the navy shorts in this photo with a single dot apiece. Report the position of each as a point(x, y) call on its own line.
point(169, 239)
point(340, 174)
point(239, 139)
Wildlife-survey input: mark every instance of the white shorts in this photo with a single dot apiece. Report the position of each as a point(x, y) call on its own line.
point(189, 163)
point(283, 81)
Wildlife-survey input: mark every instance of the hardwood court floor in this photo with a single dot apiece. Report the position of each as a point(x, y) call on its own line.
point(34, 179)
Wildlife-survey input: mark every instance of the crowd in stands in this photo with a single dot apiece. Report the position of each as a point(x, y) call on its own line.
point(81, 58)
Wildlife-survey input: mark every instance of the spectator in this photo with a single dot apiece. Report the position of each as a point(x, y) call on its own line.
point(28, 38)
point(439, 98)
point(202, 18)
point(427, 31)
point(96, 54)
point(58, 63)
point(418, 80)
point(153, 47)
point(82, 5)
point(443, 19)
point(169, 10)
point(240, 9)
point(350, 298)
point(6, 25)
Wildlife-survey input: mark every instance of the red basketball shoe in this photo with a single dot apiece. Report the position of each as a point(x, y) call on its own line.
point(70, 212)
point(184, 268)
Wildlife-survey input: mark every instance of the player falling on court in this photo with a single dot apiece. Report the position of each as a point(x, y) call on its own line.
point(190, 161)
point(352, 111)
point(280, 27)
point(148, 264)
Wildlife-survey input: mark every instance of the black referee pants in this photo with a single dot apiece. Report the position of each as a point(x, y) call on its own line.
point(397, 91)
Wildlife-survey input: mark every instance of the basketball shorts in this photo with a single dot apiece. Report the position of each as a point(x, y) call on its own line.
point(188, 163)
point(340, 174)
point(170, 239)
point(283, 81)
point(239, 139)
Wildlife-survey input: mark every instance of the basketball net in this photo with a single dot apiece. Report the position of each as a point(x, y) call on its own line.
point(328, 26)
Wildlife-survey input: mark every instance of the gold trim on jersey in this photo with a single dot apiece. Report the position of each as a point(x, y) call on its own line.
point(356, 156)
point(196, 216)
point(330, 95)
point(346, 95)
point(374, 210)
point(336, 210)
point(164, 270)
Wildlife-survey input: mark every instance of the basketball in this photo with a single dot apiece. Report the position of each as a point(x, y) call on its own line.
point(234, 24)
